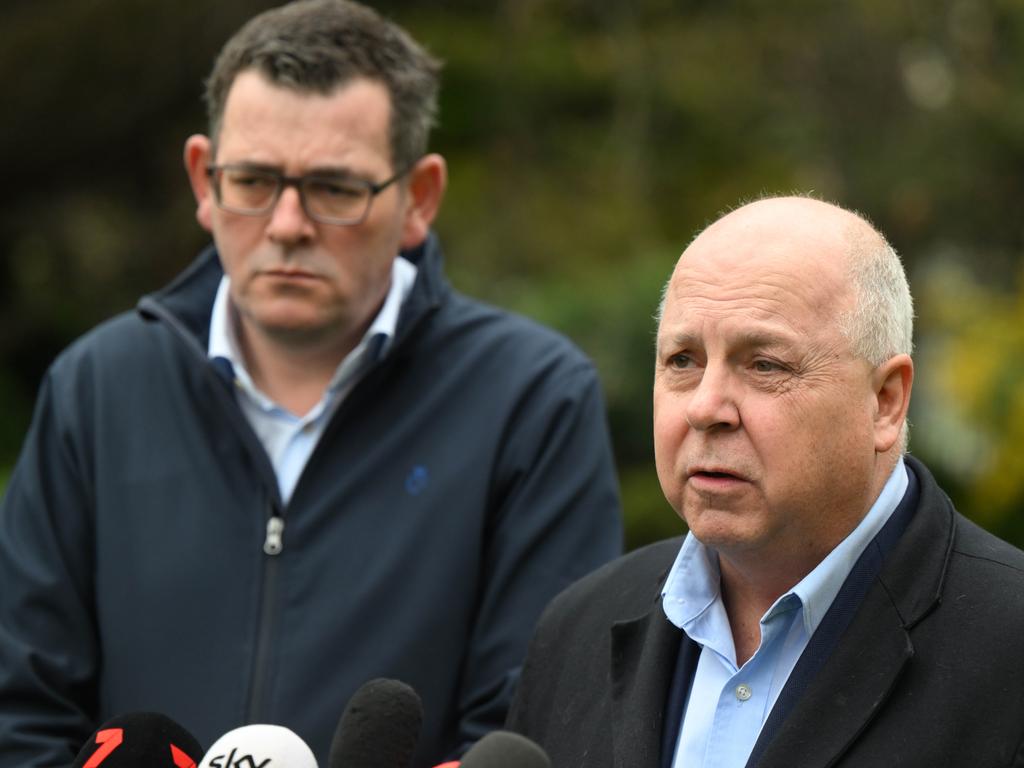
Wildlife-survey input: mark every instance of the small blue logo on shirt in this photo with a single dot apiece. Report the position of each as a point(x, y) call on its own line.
point(416, 481)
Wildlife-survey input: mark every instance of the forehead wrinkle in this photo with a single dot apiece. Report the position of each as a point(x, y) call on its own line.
point(758, 298)
point(766, 285)
point(742, 339)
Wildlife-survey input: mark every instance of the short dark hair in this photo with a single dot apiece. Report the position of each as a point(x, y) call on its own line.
point(319, 45)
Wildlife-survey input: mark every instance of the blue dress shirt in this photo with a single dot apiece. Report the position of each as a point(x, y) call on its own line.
point(727, 704)
point(290, 439)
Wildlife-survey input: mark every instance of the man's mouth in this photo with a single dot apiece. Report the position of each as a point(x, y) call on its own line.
point(290, 274)
point(714, 473)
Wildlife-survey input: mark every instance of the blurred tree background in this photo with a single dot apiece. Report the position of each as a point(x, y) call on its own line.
point(587, 142)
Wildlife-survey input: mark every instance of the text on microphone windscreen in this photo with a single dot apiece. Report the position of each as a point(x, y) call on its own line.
point(259, 746)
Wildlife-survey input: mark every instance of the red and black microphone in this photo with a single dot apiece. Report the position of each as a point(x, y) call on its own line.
point(140, 740)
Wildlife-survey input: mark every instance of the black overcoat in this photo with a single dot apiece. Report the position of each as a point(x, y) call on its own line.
point(929, 672)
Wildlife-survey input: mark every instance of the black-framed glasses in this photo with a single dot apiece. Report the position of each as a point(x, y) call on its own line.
point(325, 197)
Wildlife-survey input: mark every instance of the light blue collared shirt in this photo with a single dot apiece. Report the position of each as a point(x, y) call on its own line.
point(727, 705)
point(289, 439)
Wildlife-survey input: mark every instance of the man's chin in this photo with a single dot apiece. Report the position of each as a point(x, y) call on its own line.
point(725, 529)
point(299, 326)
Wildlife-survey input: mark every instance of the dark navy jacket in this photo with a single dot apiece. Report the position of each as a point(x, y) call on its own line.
point(463, 482)
point(917, 664)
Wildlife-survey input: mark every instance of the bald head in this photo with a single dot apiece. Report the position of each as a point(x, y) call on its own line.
point(788, 219)
point(828, 245)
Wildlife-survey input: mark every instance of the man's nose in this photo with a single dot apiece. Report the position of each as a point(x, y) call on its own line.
point(289, 221)
point(713, 403)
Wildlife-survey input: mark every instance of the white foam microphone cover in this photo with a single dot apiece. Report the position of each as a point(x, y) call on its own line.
point(259, 745)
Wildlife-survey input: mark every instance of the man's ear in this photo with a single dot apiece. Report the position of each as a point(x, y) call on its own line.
point(892, 382)
point(198, 155)
point(427, 182)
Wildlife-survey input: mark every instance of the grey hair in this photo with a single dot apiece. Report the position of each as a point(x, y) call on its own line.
point(881, 322)
point(319, 45)
point(660, 311)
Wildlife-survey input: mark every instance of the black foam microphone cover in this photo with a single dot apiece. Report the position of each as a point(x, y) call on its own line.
point(140, 740)
point(504, 749)
point(379, 728)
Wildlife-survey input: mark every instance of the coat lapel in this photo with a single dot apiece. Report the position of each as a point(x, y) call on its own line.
point(644, 651)
point(847, 691)
point(853, 684)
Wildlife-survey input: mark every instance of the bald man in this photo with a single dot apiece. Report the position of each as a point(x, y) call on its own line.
point(829, 606)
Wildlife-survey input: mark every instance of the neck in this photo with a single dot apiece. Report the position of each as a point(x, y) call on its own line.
point(747, 596)
point(294, 375)
point(751, 581)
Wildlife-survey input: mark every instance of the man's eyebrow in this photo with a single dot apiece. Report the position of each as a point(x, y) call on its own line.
point(742, 340)
point(678, 339)
point(664, 343)
point(762, 339)
point(337, 171)
point(331, 171)
point(249, 165)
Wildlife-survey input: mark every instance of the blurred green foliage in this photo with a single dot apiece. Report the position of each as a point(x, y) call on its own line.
point(587, 142)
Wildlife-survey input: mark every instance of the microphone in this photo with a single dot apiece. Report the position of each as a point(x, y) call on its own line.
point(259, 746)
point(379, 727)
point(502, 749)
point(139, 740)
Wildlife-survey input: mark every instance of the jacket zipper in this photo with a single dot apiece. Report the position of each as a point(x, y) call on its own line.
point(273, 544)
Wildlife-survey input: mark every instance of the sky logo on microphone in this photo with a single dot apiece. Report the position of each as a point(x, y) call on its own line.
point(417, 480)
point(277, 747)
point(242, 761)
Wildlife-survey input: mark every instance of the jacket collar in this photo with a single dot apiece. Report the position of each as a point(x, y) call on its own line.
point(643, 655)
point(916, 571)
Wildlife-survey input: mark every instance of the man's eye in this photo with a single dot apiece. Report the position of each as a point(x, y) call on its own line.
point(767, 366)
point(680, 361)
point(331, 188)
point(250, 180)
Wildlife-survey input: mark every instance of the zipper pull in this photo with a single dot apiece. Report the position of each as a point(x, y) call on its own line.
point(275, 531)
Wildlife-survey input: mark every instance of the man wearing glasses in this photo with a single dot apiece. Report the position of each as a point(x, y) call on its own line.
point(307, 462)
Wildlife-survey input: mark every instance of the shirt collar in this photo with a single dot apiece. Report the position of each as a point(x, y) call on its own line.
point(819, 588)
point(373, 346)
point(692, 594)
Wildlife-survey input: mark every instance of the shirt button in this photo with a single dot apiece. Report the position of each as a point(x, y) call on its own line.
point(743, 692)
